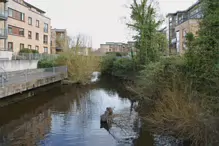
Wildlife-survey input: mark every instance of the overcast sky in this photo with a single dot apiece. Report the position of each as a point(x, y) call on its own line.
point(103, 20)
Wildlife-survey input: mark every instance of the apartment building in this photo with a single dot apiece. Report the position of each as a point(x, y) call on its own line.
point(181, 23)
point(24, 26)
point(114, 47)
point(59, 40)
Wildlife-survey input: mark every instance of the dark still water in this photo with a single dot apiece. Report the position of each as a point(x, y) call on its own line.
point(70, 116)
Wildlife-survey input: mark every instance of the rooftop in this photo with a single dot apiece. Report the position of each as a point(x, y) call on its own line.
point(59, 30)
point(195, 4)
point(29, 5)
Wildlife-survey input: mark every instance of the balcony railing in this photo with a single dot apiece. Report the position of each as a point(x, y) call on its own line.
point(3, 14)
point(3, 33)
point(33, 56)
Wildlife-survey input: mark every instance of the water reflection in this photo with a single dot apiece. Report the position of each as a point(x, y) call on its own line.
point(68, 115)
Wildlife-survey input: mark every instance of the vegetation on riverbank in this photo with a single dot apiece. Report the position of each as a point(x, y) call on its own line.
point(80, 67)
point(183, 89)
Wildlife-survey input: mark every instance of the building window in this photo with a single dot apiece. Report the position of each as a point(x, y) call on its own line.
point(21, 46)
point(22, 17)
point(45, 50)
point(177, 42)
point(45, 39)
point(10, 12)
point(37, 23)
point(37, 36)
point(12, 30)
point(37, 48)
point(45, 27)
point(29, 46)
point(29, 35)
point(29, 20)
point(15, 14)
point(21, 31)
point(10, 45)
point(184, 33)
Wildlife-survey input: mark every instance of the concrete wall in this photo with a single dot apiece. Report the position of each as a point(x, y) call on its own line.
point(5, 55)
point(15, 65)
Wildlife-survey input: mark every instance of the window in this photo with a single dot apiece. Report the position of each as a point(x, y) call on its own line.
point(12, 30)
point(22, 16)
point(21, 31)
point(37, 23)
point(10, 45)
point(10, 12)
point(178, 41)
point(21, 46)
point(170, 19)
point(45, 39)
point(45, 27)
point(45, 50)
point(37, 48)
point(15, 14)
point(37, 36)
point(29, 46)
point(29, 35)
point(29, 20)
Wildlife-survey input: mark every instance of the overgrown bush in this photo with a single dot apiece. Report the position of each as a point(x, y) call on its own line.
point(107, 64)
point(47, 63)
point(80, 68)
point(118, 54)
point(123, 67)
point(26, 50)
point(175, 113)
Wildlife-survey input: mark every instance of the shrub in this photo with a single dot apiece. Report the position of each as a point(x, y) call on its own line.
point(46, 63)
point(123, 67)
point(159, 75)
point(118, 54)
point(175, 114)
point(26, 50)
point(107, 64)
point(80, 68)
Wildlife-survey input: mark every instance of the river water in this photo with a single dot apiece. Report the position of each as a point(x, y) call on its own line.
point(70, 116)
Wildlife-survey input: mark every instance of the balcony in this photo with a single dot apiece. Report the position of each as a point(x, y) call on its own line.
point(3, 15)
point(3, 33)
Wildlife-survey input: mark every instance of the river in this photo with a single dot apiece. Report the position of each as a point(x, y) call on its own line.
point(70, 116)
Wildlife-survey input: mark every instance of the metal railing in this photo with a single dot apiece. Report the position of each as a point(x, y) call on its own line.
point(33, 56)
point(24, 76)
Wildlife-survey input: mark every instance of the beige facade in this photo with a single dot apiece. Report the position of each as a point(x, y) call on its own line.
point(114, 47)
point(59, 40)
point(28, 27)
point(191, 25)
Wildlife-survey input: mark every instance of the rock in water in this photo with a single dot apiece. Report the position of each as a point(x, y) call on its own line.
point(107, 116)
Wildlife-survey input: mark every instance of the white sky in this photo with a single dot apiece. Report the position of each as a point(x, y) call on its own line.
point(103, 20)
